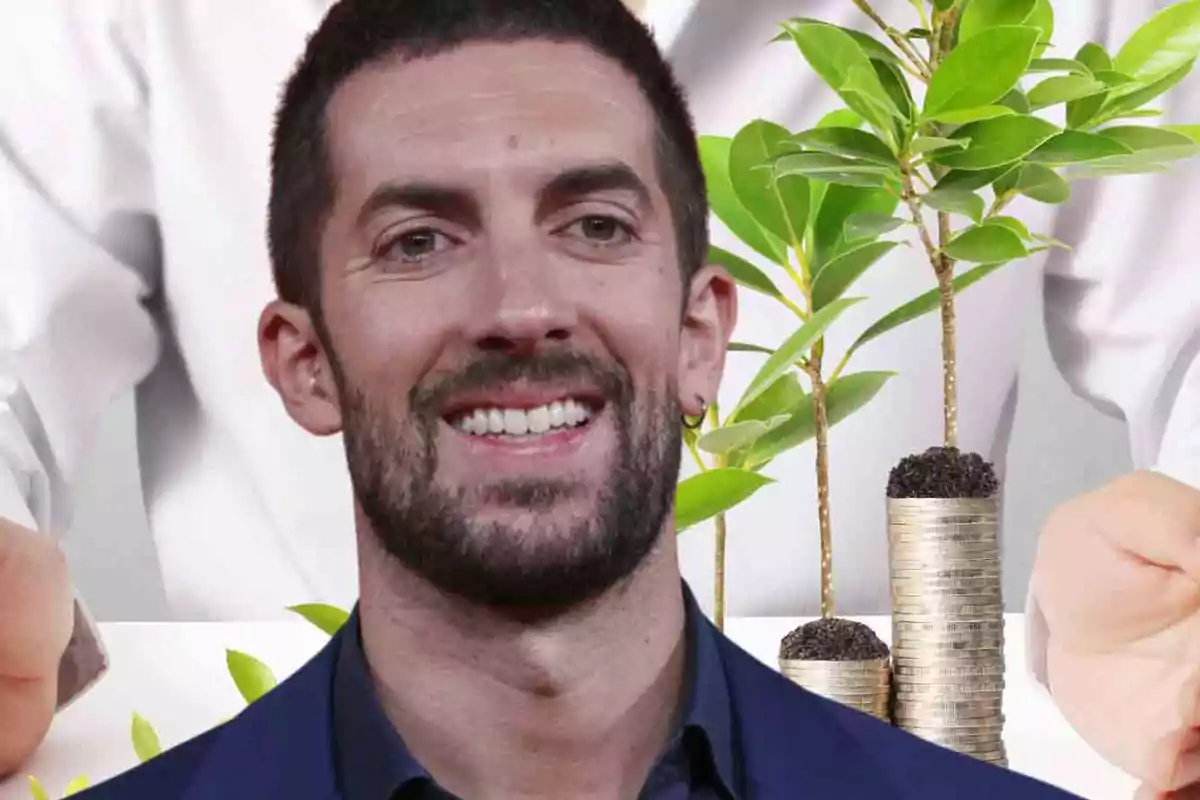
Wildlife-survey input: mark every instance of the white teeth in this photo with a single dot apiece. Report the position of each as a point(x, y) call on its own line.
point(519, 422)
point(539, 419)
point(516, 422)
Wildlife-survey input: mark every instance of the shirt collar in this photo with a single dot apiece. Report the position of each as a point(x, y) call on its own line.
point(708, 707)
point(373, 761)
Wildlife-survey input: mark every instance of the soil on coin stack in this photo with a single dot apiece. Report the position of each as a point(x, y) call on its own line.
point(832, 639)
point(943, 472)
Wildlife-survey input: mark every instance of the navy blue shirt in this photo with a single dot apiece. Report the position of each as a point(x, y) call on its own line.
point(700, 763)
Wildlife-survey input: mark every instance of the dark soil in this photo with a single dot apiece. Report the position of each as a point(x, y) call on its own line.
point(832, 639)
point(943, 472)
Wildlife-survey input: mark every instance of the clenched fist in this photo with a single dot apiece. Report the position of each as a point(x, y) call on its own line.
point(1117, 577)
point(36, 620)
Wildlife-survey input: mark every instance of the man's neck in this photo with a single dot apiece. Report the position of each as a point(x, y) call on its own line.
point(579, 706)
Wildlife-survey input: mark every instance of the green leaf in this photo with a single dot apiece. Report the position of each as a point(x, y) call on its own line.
point(872, 47)
point(971, 115)
point(779, 205)
point(714, 156)
point(833, 169)
point(1190, 131)
point(1074, 147)
point(1017, 101)
point(896, 86)
point(1141, 113)
point(1069, 65)
point(923, 144)
point(742, 271)
point(732, 436)
point(1133, 96)
point(746, 347)
point(840, 274)
point(37, 790)
point(1062, 89)
point(712, 492)
point(840, 60)
point(326, 618)
point(945, 5)
point(75, 786)
point(956, 201)
point(1050, 240)
point(843, 397)
point(970, 179)
point(794, 348)
point(1163, 143)
point(1134, 164)
point(1094, 57)
point(1007, 182)
point(839, 204)
point(1013, 224)
point(1042, 18)
point(986, 244)
point(1081, 112)
point(1043, 184)
point(919, 307)
point(1166, 42)
point(849, 143)
point(995, 142)
point(145, 739)
point(841, 118)
point(981, 70)
point(980, 15)
point(252, 677)
point(1114, 78)
point(780, 399)
point(861, 83)
point(868, 225)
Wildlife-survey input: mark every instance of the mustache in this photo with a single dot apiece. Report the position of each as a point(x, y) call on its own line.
point(492, 368)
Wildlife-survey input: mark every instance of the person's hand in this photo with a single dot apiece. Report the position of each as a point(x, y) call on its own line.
point(36, 620)
point(1117, 578)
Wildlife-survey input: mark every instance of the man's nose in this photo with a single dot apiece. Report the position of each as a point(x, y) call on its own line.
point(525, 307)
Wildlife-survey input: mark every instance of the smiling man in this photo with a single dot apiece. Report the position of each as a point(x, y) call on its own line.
point(488, 232)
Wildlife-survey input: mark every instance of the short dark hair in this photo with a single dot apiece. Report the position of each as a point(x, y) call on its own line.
point(357, 33)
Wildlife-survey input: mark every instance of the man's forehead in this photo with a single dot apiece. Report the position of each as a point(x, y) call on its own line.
point(534, 105)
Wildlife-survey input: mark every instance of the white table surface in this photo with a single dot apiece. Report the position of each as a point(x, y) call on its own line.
point(174, 675)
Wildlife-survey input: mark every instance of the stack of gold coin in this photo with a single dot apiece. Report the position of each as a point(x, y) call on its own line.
point(948, 623)
point(862, 685)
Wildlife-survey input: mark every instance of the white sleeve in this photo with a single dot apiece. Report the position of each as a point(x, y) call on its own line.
point(79, 252)
point(1123, 313)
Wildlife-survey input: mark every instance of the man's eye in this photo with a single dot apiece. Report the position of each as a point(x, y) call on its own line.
point(413, 246)
point(602, 230)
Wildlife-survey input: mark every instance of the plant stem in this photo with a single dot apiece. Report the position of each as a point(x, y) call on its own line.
point(943, 266)
point(944, 269)
point(821, 432)
point(714, 419)
point(901, 43)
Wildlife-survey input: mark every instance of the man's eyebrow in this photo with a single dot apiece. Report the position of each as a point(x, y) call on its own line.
point(579, 182)
point(443, 201)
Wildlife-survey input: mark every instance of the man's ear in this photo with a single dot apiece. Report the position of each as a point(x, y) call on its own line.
point(709, 318)
point(296, 364)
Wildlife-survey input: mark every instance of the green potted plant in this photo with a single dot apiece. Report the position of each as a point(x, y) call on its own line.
point(964, 113)
point(819, 231)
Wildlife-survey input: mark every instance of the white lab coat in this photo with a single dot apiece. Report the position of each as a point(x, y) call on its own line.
point(134, 140)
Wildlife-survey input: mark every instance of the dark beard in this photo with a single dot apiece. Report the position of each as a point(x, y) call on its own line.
point(393, 465)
